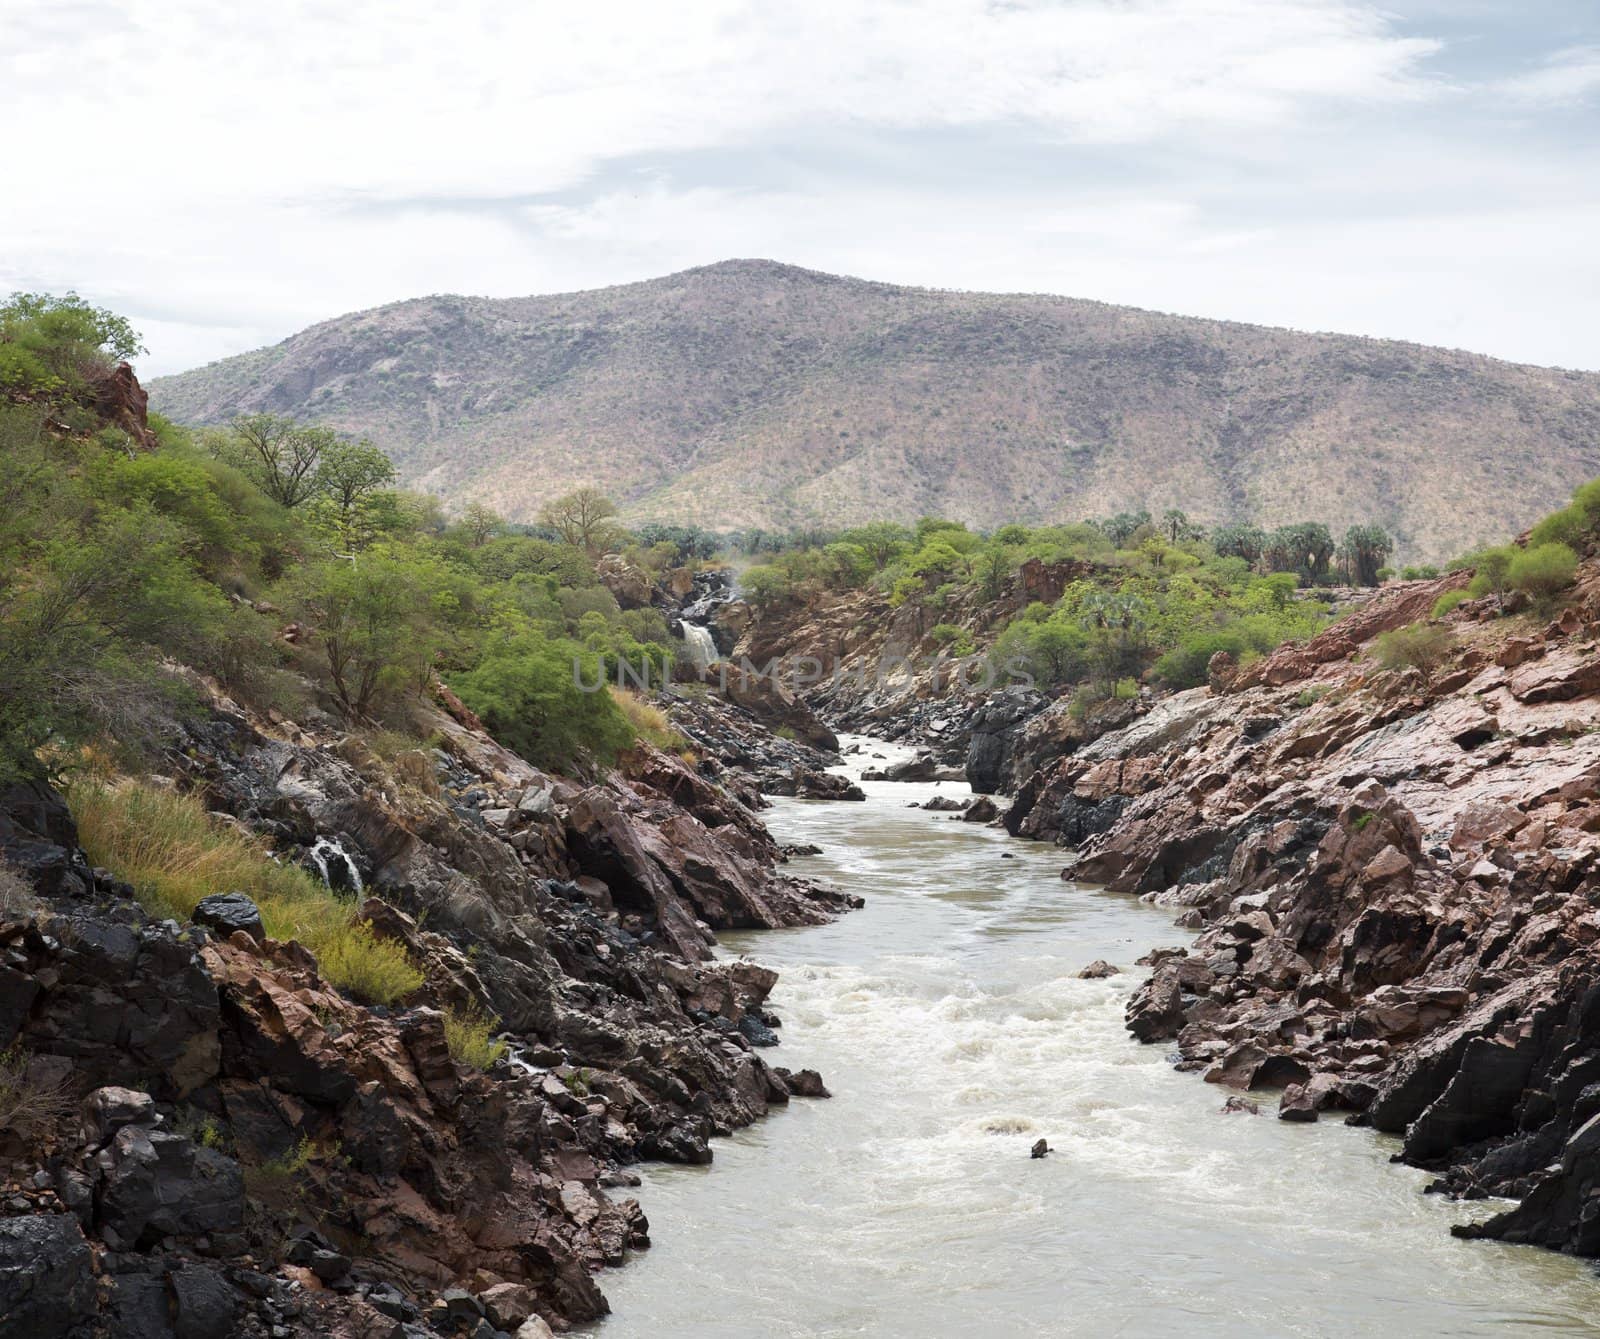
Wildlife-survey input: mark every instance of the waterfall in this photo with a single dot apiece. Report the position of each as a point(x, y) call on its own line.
point(343, 873)
point(702, 649)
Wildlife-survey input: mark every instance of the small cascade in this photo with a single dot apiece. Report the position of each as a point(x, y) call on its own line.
point(336, 865)
point(702, 647)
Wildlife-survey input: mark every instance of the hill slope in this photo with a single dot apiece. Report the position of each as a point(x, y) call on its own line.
point(753, 393)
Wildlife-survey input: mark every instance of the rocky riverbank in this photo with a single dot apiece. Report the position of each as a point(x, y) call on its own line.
point(1393, 878)
point(215, 1142)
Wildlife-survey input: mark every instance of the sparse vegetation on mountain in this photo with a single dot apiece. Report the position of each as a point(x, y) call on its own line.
point(752, 394)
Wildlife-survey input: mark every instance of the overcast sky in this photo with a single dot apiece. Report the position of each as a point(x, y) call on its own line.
point(227, 173)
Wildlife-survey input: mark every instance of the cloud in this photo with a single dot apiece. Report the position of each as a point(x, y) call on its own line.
point(238, 172)
point(1567, 77)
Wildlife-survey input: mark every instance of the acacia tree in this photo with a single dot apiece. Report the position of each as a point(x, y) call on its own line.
point(582, 518)
point(348, 475)
point(281, 455)
point(481, 524)
point(375, 621)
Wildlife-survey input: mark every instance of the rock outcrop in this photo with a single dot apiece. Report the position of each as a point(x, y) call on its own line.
point(1393, 879)
point(243, 1150)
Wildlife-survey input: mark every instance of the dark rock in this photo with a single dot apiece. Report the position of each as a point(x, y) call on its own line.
point(803, 1082)
point(1098, 970)
point(161, 1185)
point(981, 810)
point(227, 913)
point(1041, 1148)
point(207, 1306)
point(46, 1276)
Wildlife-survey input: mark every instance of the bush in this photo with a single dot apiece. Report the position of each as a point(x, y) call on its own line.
point(1567, 526)
point(526, 689)
point(1447, 602)
point(466, 1032)
point(1542, 572)
point(174, 853)
point(1422, 646)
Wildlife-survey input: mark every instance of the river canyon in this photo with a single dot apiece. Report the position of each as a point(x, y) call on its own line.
point(950, 1023)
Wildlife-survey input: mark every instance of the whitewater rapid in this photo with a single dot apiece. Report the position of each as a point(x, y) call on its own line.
point(950, 1024)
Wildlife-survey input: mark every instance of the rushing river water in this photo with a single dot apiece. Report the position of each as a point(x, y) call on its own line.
point(947, 1019)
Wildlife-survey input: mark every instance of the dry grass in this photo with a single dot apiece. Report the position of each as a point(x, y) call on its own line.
point(648, 722)
point(29, 1105)
point(174, 853)
point(17, 900)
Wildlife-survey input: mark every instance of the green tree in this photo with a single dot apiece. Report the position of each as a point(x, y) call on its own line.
point(481, 524)
point(1240, 541)
point(281, 455)
point(50, 343)
point(1369, 545)
point(583, 519)
point(375, 621)
point(546, 700)
point(348, 475)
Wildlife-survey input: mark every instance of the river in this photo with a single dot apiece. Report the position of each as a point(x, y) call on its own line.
point(947, 1018)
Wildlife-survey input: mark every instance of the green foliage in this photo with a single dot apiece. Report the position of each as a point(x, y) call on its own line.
point(956, 640)
point(59, 345)
point(1543, 571)
point(376, 620)
point(1491, 572)
point(544, 699)
point(1366, 547)
point(466, 1033)
point(1449, 601)
point(1422, 646)
point(174, 853)
point(1567, 526)
point(766, 586)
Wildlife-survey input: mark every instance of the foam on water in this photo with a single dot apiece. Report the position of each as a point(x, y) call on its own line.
point(948, 1021)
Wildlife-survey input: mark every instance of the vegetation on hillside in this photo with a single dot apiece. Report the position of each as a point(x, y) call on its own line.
point(756, 394)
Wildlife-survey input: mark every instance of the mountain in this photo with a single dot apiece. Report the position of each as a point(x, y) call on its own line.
point(752, 393)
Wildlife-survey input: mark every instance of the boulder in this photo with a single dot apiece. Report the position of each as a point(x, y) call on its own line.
point(981, 810)
point(228, 913)
point(157, 1184)
point(47, 1284)
point(107, 1110)
point(205, 1304)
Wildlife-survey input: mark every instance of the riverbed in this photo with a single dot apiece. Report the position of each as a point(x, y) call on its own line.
point(948, 1021)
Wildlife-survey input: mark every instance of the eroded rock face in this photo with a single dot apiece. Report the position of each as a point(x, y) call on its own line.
point(574, 917)
point(1393, 881)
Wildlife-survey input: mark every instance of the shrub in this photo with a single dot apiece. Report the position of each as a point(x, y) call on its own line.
point(29, 1104)
point(1543, 571)
point(1567, 526)
point(1450, 600)
point(526, 689)
point(372, 969)
point(1422, 646)
point(174, 853)
point(1491, 569)
point(466, 1032)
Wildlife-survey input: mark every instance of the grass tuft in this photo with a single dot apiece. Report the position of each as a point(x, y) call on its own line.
point(174, 853)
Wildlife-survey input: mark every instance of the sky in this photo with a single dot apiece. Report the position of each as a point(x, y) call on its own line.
point(228, 174)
